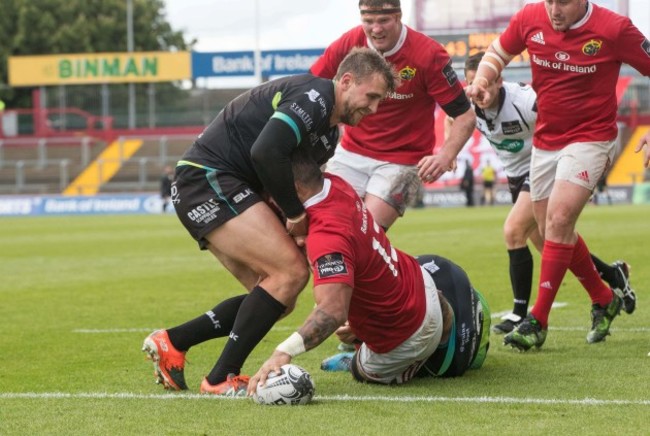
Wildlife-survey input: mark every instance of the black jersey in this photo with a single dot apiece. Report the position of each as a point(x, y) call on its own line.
point(253, 137)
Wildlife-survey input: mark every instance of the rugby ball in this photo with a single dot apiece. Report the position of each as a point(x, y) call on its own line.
point(293, 386)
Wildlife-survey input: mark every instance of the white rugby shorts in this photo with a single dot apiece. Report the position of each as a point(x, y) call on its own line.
point(580, 163)
point(396, 184)
point(403, 362)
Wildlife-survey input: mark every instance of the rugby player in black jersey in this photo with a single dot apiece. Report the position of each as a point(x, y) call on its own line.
point(240, 159)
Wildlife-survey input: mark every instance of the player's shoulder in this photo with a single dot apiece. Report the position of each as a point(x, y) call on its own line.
point(422, 42)
point(308, 84)
point(530, 15)
point(354, 37)
point(607, 22)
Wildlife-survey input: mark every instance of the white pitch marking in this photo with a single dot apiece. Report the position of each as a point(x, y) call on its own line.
point(149, 330)
point(332, 398)
point(504, 313)
point(288, 328)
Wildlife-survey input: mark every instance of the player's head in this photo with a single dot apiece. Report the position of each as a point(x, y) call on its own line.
point(307, 174)
point(363, 79)
point(565, 13)
point(382, 22)
point(471, 66)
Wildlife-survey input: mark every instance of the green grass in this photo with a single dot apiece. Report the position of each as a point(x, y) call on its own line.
point(78, 295)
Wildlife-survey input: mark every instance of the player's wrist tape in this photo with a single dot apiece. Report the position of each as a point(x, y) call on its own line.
point(495, 57)
point(297, 219)
point(491, 66)
point(293, 345)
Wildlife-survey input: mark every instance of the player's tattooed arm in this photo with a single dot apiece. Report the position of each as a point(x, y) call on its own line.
point(319, 326)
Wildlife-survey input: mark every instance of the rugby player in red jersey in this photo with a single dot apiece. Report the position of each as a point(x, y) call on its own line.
point(576, 50)
point(387, 154)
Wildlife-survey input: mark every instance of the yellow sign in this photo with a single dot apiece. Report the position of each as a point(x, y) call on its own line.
point(69, 69)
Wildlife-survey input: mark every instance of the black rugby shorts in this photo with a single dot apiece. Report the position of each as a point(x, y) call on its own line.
point(205, 198)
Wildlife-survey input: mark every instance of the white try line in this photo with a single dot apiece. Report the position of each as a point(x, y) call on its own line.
point(149, 330)
point(555, 305)
point(295, 328)
point(331, 398)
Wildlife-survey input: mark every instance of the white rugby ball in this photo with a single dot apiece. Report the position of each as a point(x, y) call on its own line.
point(293, 386)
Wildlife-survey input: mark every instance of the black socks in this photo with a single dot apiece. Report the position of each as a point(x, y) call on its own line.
point(258, 312)
point(521, 278)
point(215, 323)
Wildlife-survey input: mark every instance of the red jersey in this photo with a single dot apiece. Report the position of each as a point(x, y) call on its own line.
point(344, 245)
point(575, 72)
point(402, 130)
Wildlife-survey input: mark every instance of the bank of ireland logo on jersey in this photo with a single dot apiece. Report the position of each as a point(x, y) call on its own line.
point(592, 47)
point(562, 56)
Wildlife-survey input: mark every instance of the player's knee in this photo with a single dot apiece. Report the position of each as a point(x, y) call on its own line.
point(514, 235)
point(560, 223)
point(291, 281)
point(298, 275)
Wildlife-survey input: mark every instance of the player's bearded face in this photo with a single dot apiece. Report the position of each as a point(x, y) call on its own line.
point(564, 13)
point(362, 99)
point(353, 115)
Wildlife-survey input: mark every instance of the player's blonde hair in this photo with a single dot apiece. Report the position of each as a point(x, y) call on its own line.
point(363, 63)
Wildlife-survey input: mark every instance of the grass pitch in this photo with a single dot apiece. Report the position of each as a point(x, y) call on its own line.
point(79, 294)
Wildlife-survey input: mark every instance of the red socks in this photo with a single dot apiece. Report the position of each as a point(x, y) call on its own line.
point(582, 266)
point(556, 259)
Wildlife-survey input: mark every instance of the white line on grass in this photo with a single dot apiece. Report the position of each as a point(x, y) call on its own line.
point(332, 398)
point(613, 329)
point(555, 305)
point(288, 328)
point(149, 330)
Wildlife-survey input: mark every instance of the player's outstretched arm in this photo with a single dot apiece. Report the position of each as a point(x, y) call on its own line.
point(331, 311)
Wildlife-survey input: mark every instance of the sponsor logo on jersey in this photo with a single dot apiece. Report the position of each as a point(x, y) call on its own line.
point(396, 96)
point(450, 74)
point(592, 47)
point(538, 38)
point(331, 265)
point(431, 267)
point(407, 73)
point(313, 95)
point(562, 56)
point(511, 145)
point(646, 46)
point(303, 115)
point(511, 127)
point(364, 217)
point(204, 212)
point(322, 140)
